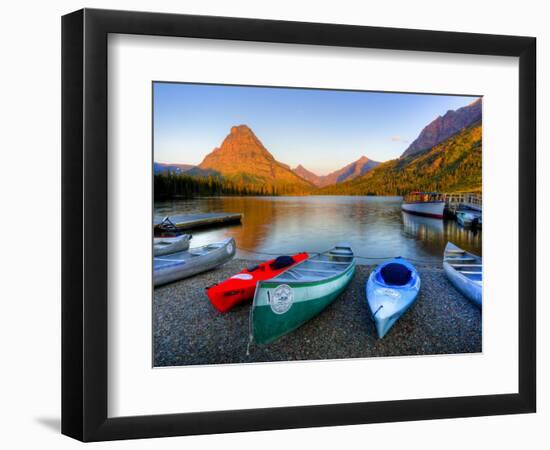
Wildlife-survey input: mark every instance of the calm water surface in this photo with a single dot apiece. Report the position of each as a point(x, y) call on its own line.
point(374, 226)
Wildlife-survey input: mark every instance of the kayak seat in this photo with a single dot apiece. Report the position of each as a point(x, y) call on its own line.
point(396, 274)
point(281, 262)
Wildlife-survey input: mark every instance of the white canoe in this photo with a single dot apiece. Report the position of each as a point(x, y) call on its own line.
point(167, 245)
point(176, 266)
point(465, 272)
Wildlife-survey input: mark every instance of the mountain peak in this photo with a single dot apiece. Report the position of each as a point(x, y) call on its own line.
point(241, 129)
point(239, 149)
point(243, 158)
point(307, 175)
point(354, 169)
point(444, 127)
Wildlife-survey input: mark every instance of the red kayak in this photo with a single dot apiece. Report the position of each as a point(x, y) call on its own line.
point(240, 287)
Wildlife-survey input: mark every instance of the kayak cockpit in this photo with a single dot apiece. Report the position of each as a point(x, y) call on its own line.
point(395, 274)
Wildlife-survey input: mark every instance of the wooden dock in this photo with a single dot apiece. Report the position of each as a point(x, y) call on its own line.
point(459, 201)
point(192, 221)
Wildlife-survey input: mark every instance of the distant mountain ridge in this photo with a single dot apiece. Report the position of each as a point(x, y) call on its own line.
point(302, 172)
point(443, 127)
point(353, 170)
point(451, 166)
point(171, 168)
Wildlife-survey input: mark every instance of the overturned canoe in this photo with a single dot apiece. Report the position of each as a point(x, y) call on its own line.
point(241, 287)
point(465, 272)
point(176, 266)
point(287, 301)
point(167, 245)
point(391, 290)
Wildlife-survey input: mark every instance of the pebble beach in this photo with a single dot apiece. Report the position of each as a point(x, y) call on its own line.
point(189, 331)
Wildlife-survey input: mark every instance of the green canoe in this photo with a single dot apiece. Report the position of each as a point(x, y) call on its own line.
point(287, 301)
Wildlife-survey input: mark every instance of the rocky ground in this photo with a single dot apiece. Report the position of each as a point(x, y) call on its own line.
point(188, 330)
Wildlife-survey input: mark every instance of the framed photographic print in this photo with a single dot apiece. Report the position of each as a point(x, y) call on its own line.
point(273, 224)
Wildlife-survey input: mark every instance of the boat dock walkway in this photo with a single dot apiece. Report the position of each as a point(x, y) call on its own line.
point(462, 201)
point(191, 221)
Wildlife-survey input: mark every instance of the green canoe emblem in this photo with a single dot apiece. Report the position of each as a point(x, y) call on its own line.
point(281, 299)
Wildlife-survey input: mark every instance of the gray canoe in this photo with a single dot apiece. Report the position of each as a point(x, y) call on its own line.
point(167, 245)
point(465, 272)
point(176, 266)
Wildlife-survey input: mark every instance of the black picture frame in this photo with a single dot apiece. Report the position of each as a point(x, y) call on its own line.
point(84, 224)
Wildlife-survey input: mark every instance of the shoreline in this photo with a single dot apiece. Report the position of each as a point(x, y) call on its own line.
point(187, 330)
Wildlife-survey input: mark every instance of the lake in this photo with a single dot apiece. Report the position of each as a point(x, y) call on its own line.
point(374, 226)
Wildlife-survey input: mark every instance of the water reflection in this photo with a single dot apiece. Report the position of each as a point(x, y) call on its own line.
point(433, 234)
point(375, 226)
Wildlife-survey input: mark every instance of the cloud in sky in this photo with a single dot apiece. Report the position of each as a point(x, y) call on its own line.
point(398, 138)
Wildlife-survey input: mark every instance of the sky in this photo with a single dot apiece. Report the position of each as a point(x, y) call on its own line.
point(323, 130)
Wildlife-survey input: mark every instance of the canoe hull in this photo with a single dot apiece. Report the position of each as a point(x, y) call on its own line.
point(468, 287)
point(307, 300)
point(177, 266)
point(388, 303)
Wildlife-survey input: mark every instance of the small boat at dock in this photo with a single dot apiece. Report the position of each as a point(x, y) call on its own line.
point(465, 271)
point(427, 204)
point(241, 287)
point(468, 219)
point(287, 301)
point(179, 265)
point(391, 290)
point(167, 245)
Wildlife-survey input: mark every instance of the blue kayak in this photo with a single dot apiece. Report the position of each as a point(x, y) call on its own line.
point(391, 289)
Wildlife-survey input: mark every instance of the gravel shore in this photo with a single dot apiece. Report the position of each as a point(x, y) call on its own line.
point(187, 330)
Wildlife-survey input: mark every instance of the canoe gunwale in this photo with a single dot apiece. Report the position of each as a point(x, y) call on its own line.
point(452, 248)
point(272, 283)
point(311, 259)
